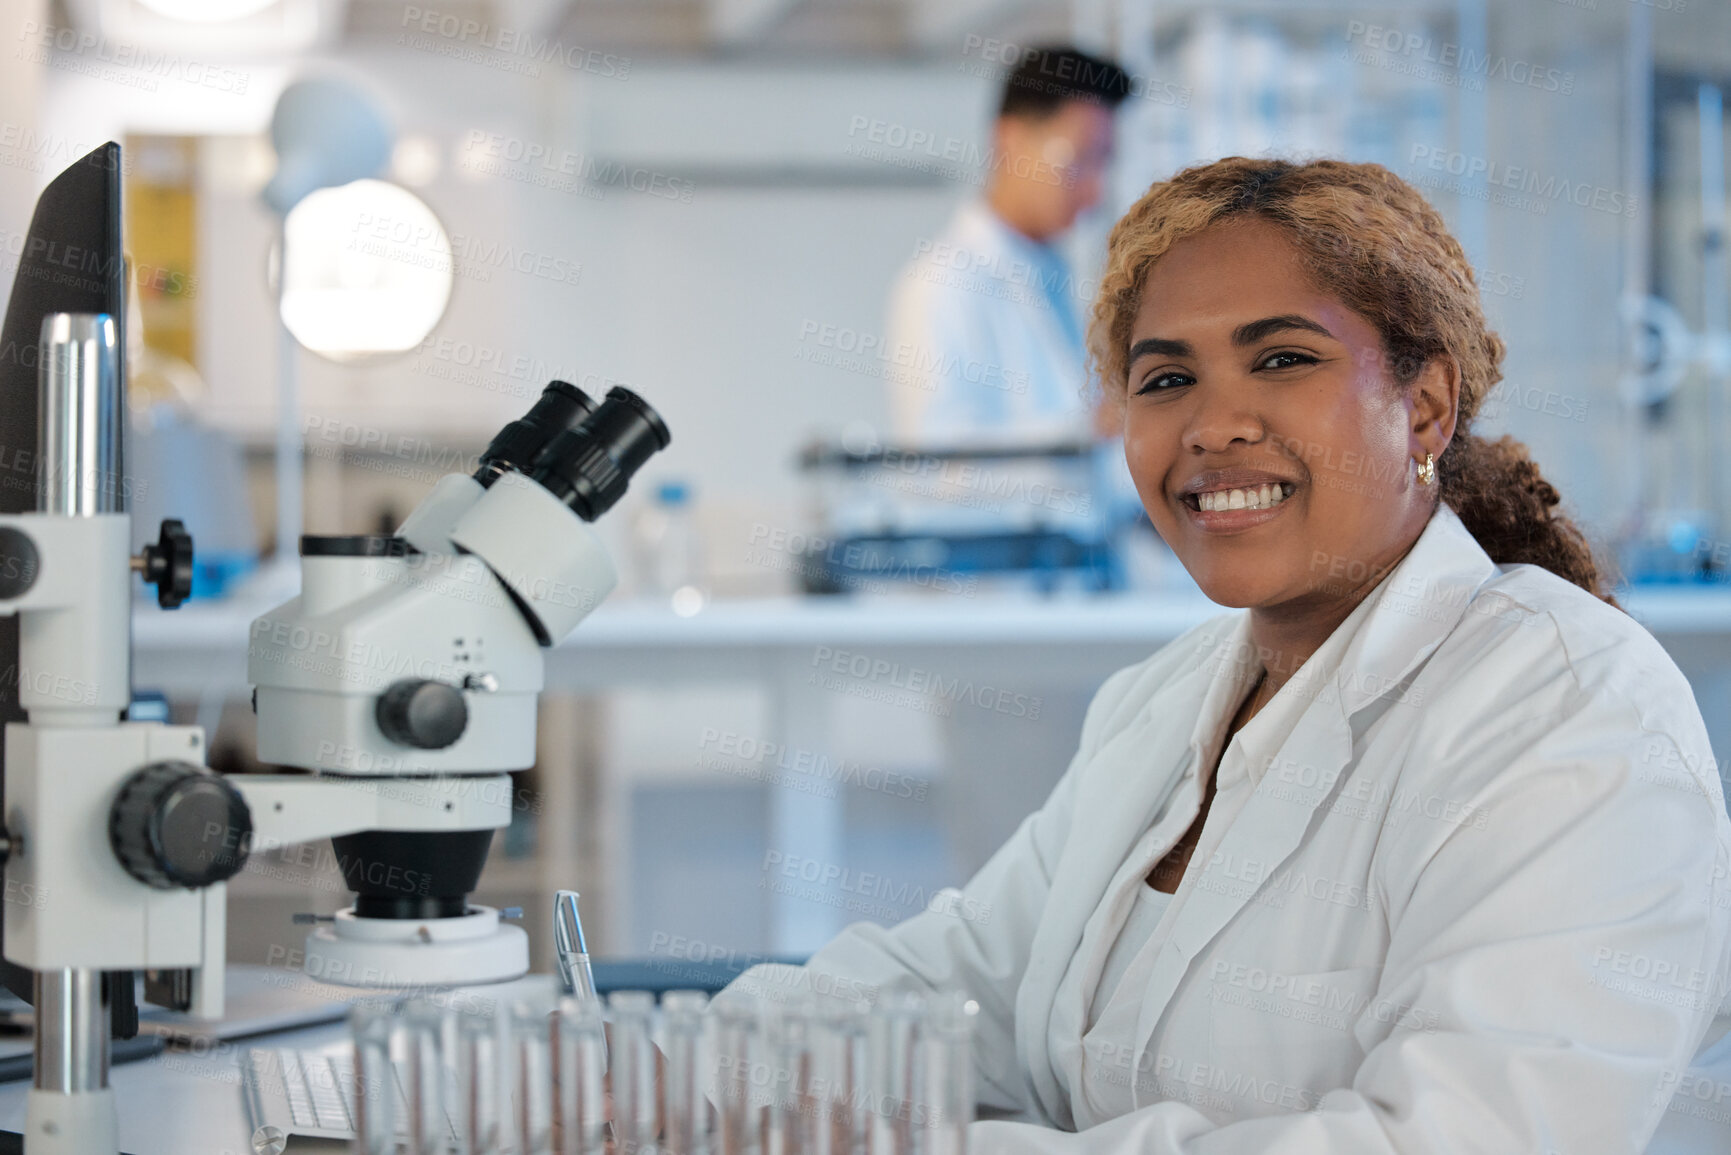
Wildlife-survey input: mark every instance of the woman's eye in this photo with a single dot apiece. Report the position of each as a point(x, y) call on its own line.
point(1287, 360)
point(1160, 381)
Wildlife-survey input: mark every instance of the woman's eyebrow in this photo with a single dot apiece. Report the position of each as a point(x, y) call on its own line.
point(1248, 333)
point(1254, 331)
point(1159, 347)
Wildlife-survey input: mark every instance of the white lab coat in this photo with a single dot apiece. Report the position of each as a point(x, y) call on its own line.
point(980, 353)
point(1481, 825)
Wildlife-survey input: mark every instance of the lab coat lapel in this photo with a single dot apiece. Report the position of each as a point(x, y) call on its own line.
point(1127, 782)
point(1399, 625)
point(1262, 836)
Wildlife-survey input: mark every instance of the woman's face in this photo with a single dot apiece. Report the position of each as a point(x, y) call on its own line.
point(1244, 376)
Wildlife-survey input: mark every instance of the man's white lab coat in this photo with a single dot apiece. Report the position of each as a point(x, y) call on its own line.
point(1471, 893)
point(985, 333)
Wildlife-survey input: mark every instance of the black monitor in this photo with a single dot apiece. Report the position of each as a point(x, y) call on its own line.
point(72, 262)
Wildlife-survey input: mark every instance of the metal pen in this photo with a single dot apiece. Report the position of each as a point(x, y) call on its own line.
point(572, 951)
point(573, 954)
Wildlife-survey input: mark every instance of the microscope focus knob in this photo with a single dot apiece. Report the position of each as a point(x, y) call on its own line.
point(176, 824)
point(168, 564)
point(422, 713)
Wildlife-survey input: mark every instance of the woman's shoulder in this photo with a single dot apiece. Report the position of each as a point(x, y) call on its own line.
point(1535, 653)
point(1528, 612)
point(1126, 693)
point(1188, 649)
point(1550, 710)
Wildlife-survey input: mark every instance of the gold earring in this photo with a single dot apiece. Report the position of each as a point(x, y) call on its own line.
point(1427, 471)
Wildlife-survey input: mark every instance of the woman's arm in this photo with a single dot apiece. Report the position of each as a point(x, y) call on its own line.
point(1522, 941)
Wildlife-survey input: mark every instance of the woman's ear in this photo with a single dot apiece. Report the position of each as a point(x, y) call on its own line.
point(1433, 402)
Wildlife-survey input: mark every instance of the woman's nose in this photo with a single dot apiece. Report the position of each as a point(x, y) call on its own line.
point(1222, 415)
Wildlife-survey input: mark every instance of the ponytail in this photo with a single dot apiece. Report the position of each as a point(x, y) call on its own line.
point(1511, 510)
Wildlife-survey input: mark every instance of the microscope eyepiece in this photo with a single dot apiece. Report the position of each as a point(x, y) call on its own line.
point(589, 466)
point(561, 405)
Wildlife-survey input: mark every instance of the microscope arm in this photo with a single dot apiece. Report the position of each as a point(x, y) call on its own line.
point(291, 808)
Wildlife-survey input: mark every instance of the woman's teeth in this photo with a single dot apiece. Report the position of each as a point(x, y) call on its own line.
point(1259, 498)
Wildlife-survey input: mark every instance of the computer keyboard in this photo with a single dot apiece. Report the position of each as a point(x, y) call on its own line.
point(316, 1086)
point(312, 1092)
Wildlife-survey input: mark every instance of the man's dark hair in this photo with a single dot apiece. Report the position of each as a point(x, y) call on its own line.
point(1049, 75)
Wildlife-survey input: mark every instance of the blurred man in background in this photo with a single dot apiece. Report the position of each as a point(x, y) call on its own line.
point(990, 309)
point(991, 320)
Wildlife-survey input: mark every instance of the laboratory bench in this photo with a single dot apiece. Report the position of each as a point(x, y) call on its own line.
point(201, 647)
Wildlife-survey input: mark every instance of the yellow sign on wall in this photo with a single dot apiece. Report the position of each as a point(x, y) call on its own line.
point(162, 238)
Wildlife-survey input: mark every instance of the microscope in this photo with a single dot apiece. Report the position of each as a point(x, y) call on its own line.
point(405, 677)
point(398, 689)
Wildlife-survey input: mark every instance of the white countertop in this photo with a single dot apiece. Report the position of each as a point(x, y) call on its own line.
point(920, 620)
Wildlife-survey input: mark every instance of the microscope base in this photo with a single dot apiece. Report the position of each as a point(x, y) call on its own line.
point(71, 1122)
point(409, 954)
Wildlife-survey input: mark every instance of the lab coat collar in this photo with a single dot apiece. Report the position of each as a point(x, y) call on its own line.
point(986, 231)
point(1407, 617)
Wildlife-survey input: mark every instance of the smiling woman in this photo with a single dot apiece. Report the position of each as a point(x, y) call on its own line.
point(1279, 286)
point(1421, 850)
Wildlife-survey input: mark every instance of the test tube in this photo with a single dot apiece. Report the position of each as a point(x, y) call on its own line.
point(944, 1065)
point(686, 1130)
point(532, 1075)
point(370, 1026)
point(422, 1024)
point(844, 1065)
point(632, 1065)
point(479, 1078)
point(794, 1108)
point(580, 1068)
point(738, 1047)
point(895, 1081)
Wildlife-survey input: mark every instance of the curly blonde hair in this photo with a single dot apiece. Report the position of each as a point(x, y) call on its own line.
point(1371, 241)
